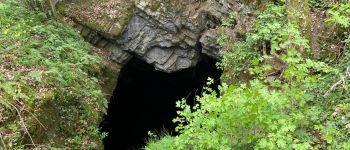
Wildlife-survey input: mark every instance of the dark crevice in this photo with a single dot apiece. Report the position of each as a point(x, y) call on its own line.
point(144, 100)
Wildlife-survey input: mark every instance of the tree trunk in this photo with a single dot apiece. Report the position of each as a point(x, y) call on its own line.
point(299, 14)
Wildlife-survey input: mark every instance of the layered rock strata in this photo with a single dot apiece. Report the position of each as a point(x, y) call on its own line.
point(171, 35)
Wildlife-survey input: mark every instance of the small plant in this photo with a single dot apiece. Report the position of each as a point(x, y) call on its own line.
point(159, 141)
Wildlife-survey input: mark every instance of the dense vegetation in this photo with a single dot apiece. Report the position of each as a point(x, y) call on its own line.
point(47, 83)
point(279, 91)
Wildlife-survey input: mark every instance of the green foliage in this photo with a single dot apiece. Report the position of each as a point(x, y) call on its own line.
point(290, 100)
point(321, 4)
point(336, 127)
point(271, 28)
point(334, 47)
point(159, 141)
point(340, 15)
point(238, 58)
point(241, 118)
point(325, 4)
point(229, 22)
point(47, 6)
point(47, 73)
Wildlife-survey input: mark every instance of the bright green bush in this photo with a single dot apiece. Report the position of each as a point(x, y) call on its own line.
point(49, 94)
point(159, 141)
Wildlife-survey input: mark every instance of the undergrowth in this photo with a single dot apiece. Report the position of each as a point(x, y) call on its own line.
point(275, 94)
point(278, 96)
point(49, 93)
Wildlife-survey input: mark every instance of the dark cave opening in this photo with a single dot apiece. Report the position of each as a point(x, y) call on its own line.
point(144, 100)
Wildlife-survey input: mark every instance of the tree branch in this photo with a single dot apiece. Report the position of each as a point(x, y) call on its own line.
point(341, 81)
point(22, 122)
point(2, 141)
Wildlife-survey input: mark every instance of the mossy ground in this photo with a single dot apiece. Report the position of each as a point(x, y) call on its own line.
point(49, 93)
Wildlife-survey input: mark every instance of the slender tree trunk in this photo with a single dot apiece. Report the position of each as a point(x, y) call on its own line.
point(299, 14)
point(53, 9)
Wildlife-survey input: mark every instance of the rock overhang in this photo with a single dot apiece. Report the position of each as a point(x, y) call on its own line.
point(171, 35)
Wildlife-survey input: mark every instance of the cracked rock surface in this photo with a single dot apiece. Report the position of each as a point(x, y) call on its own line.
point(171, 35)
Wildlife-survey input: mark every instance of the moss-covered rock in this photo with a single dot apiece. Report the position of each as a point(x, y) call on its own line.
point(109, 75)
point(101, 15)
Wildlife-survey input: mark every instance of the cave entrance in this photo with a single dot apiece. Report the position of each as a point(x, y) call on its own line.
point(144, 100)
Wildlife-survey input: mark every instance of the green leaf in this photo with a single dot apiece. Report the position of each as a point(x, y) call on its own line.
point(5, 103)
point(36, 75)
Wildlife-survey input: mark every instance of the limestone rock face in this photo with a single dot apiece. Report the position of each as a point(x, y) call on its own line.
point(169, 34)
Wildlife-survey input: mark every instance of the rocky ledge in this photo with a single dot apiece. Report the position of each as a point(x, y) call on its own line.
point(169, 34)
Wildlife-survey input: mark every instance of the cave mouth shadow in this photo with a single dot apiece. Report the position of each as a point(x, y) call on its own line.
point(144, 100)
